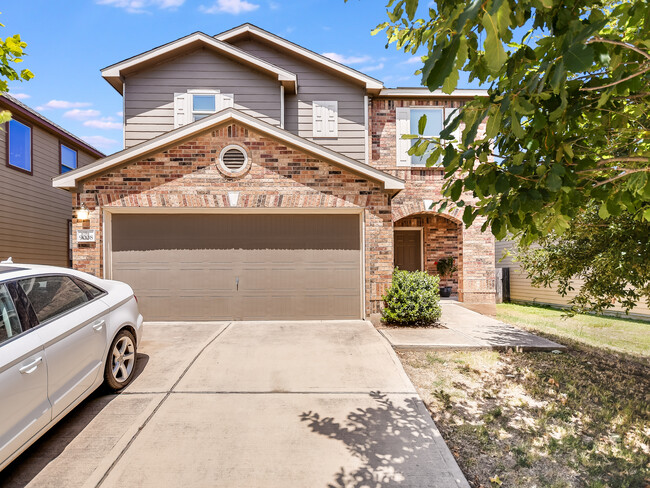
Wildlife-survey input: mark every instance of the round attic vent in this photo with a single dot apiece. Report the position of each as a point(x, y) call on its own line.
point(233, 160)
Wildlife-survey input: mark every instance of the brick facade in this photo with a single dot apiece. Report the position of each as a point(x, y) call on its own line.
point(188, 176)
point(474, 250)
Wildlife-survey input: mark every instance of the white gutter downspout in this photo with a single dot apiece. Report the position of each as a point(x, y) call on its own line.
point(365, 125)
point(281, 106)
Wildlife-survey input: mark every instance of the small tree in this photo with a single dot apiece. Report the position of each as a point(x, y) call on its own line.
point(11, 51)
point(412, 299)
point(446, 267)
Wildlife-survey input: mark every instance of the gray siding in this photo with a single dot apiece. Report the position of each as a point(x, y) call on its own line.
point(33, 214)
point(317, 84)
point(149, 94)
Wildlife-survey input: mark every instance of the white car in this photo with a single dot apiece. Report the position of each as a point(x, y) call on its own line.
point(62, 334)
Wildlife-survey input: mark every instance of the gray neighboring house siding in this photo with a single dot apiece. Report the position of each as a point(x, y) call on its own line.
point(315, 83)
point(149, 94)
point(33, 214)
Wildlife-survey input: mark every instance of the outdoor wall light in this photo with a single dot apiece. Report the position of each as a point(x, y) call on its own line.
point(83, 213)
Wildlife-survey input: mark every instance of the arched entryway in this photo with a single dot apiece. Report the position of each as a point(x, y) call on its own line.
point(422, 239)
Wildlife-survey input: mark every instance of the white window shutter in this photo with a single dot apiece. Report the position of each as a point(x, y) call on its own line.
point(227, 100)
point(318, 119)
point(402, 126)
point(332, 119)
point(182, 109)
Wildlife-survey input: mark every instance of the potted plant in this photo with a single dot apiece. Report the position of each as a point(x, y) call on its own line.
point(446, 267)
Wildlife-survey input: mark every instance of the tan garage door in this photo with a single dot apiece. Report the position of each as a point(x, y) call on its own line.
point(242, 267)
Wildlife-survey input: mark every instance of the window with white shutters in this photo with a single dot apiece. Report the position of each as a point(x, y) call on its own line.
point(197, 104)
point(325, 119)
point(406, 122)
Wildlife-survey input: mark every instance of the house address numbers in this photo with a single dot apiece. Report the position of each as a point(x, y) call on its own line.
point(85, 235)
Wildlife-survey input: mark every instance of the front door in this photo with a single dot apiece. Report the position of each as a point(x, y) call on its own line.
point(408, 252)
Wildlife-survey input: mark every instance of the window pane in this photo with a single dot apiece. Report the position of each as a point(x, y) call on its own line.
point(433, 128)
point(91, 291)
point(203, 103)
point(68, 159)
point(52, 295)
point(20, 141)
point(200, 116)
point(9, 322)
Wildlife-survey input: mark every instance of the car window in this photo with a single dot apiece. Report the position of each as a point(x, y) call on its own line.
point(52, 295)
point(9, 322)
point(91, 291)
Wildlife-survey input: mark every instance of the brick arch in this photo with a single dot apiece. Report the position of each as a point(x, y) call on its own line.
point(417, 207)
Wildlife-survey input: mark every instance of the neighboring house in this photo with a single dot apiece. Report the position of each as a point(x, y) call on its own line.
point(35, 218)
point(261, 180)
point(522, 291)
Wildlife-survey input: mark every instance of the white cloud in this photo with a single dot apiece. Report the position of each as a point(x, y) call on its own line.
point(274, 5)
point(100, 142)
point(341, 58)
point(234, 7)
point(81, 114)
point(105, 123)
point(119, 114)
point(375, 67)
point(413, 60)
point(141, 6)
point(20, 96)
point(63, 104)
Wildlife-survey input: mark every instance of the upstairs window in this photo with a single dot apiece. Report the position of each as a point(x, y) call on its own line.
point(407, 120)
point(68, 159)
point(198, 104)
point(325, 119)
point(19, 152)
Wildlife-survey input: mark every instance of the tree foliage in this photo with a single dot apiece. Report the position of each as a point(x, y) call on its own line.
point(609, 256)
point(566, 114)
point(12, 51)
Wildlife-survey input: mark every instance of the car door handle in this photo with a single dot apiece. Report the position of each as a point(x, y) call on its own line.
point(99, 325)
point(31, 367)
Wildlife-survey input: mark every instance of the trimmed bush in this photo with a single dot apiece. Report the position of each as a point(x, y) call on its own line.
point(412, 299)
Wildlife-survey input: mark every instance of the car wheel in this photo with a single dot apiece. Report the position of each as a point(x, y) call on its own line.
point(120, 364)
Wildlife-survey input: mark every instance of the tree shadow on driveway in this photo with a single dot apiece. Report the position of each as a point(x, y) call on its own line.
point(394, 442)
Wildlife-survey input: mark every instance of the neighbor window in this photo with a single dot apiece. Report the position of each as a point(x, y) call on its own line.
point(197, 104)
point(20, 146)
point(68, 159)
point(407, 123)
point(325, 119)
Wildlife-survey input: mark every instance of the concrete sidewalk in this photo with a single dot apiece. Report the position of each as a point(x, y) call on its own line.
point(250, 404)
point(465, 329)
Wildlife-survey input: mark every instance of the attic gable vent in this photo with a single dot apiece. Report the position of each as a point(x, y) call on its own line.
point(233, 160)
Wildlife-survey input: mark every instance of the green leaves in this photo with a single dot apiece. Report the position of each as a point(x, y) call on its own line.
point(11, 51)
point(494, 51)
point(579, 58)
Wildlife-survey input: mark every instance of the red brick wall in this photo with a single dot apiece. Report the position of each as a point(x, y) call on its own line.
point(188, 175)
point(474, 281)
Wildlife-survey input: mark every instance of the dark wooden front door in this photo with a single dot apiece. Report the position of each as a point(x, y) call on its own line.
point(408, 252)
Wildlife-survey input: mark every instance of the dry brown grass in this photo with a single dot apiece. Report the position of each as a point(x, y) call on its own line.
point(580, 418)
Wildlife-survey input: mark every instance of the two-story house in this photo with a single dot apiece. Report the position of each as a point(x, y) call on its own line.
point(261, 180)
point(35, 217)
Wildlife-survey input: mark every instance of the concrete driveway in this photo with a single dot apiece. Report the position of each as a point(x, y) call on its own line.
point(250, 404)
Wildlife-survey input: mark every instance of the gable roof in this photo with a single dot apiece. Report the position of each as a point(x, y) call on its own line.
point(70, 179)
point(114, 73)
point(372, 84)
point(417, 92)
point(17, 107)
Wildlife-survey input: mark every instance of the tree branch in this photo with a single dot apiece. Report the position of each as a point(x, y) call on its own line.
point(619, 43)
point(614, 83)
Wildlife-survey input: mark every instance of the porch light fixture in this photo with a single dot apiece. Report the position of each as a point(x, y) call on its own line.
point(427, 204)
point(83, 213)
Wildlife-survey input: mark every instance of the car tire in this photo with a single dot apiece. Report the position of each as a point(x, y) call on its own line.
point(121, 360)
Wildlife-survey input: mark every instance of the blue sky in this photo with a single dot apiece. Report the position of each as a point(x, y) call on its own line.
point(70, 41)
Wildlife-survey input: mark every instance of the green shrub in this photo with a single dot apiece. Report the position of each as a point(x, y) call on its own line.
point(412, 299)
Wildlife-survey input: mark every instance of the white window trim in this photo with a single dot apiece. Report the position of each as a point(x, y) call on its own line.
point(187, 113)
point(406, 143)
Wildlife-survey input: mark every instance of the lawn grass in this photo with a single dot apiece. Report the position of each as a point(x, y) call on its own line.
point(622, 335)
point(538, 419)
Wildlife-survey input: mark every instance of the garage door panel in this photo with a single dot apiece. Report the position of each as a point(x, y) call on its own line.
point(186, 267)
